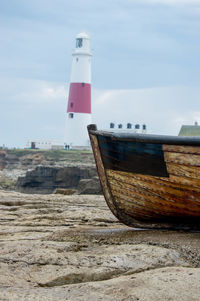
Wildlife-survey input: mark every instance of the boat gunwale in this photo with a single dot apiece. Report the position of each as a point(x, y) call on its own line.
point(147, 138)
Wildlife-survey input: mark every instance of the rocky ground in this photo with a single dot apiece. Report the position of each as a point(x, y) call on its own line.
point(55, 247)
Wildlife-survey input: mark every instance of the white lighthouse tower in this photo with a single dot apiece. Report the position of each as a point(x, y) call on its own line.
point(79, 100)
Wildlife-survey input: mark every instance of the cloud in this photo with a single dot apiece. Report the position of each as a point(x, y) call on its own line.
point(149, 44)
point(172, 2)
point(31, 109)
point(24, 91)
point(163, 109)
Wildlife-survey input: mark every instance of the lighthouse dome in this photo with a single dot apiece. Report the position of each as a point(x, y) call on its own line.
point(82, 44)
point(82, 35)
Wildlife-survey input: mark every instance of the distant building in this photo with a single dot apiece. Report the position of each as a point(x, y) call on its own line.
point(44, 144)
point(137, 128)
point(190, 130)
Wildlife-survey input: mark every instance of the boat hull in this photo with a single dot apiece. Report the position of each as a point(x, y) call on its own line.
point(149, 183)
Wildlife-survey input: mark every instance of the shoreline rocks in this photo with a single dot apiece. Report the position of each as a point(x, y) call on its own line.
point(45, 179)
point(35, 171)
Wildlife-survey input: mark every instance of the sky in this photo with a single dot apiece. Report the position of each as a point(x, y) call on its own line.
point(145, 65)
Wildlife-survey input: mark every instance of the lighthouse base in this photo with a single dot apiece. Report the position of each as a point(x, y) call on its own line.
point(76, 135)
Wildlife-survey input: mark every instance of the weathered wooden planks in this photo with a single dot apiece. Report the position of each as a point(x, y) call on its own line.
point(151, 198)
point(181, 149)
point(183, 159)
point(185, 171)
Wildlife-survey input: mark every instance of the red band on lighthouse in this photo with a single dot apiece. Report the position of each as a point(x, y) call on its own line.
point(79, 100)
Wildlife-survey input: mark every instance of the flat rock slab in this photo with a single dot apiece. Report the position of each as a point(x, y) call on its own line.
point(162, 284)
point(56, 247)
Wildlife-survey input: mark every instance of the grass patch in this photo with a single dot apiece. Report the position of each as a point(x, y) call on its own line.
point(7, 183)
point(84, 156)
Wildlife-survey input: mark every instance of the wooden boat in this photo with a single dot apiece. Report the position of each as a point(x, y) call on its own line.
point(149, 181)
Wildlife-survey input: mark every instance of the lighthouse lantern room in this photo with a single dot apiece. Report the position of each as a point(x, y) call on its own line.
point(79, 100)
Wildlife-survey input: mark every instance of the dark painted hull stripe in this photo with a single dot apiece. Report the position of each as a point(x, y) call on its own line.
point(133, 157)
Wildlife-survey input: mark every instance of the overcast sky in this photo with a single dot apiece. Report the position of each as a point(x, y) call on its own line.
point(145, 66)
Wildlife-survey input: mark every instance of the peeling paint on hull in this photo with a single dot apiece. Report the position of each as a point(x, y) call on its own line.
point(149, 184)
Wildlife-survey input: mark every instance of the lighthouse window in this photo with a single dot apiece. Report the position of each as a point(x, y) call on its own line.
point(83, 84)
point(71, 104)
point(119, 126)
point(71, 115)
point(79, 43)
point(112, 125)
point(129, 125)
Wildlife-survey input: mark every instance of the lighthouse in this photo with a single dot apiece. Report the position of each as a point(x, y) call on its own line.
point(79, 100)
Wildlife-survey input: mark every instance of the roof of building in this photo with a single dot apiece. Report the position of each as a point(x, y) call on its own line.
point(190, 130)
